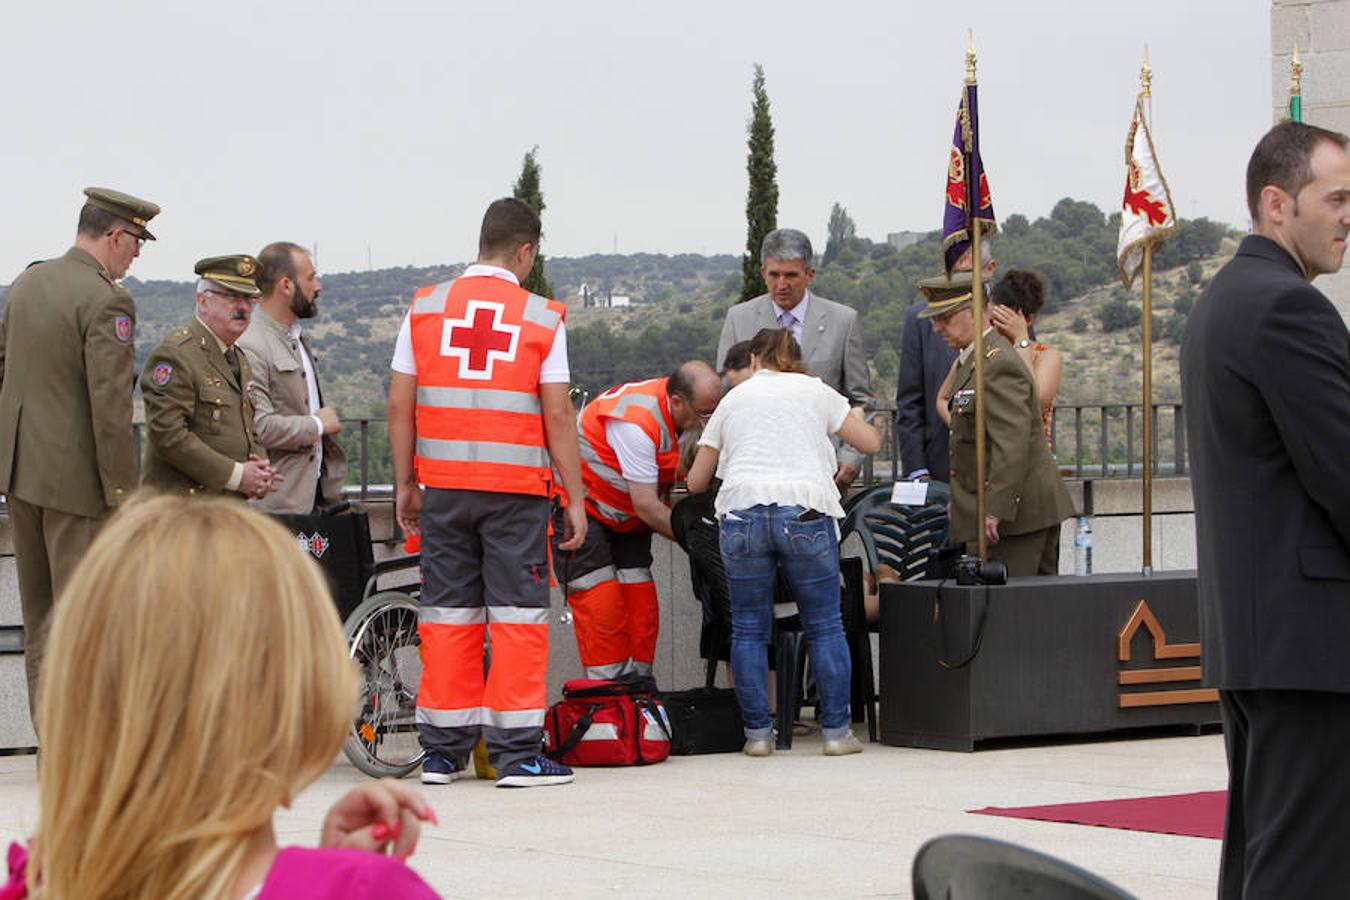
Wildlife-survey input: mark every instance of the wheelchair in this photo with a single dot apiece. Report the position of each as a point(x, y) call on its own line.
point(380, 626)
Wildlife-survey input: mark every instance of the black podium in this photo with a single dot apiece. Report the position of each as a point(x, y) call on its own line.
point(1038, 657)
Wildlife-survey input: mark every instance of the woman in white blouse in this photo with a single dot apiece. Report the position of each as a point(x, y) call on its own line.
point(769, 442)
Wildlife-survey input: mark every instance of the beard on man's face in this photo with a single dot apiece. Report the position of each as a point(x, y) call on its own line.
point(302, 304)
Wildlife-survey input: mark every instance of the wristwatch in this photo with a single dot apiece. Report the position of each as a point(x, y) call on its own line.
point(1023, 344)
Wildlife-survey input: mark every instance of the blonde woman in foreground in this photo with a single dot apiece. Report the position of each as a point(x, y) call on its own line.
point(195, 680)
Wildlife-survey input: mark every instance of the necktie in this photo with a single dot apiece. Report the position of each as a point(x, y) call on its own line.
point(785, 320)
point(232, 357)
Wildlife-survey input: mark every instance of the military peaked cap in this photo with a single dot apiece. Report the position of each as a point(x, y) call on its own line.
point(124, 206)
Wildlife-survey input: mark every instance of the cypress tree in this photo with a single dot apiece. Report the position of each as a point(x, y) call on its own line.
point(527, 188)
point(761, 201)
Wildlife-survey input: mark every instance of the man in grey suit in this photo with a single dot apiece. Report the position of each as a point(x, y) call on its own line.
point(1265, 376)
point(827, 331)
point(291, 419)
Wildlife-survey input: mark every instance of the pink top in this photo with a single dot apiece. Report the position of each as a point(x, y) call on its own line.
point(301, 872)
point(297, 872)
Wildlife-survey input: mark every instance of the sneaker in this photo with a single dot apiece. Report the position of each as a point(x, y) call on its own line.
point(843, 745)
point(536, 771)
point(758, 747)
point(439, 769)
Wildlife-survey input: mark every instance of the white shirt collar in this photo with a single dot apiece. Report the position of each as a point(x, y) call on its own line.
point(484, 270)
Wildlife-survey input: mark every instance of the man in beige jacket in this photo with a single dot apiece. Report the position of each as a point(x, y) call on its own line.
point(292, 422)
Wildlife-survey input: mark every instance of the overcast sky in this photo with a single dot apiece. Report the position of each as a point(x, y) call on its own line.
point(384, 128)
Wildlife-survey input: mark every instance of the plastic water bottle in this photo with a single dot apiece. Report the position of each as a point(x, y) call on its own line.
point(1082, 547)
point(565, 617)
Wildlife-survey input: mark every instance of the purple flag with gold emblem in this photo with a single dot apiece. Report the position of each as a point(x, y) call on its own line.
point(968, 205)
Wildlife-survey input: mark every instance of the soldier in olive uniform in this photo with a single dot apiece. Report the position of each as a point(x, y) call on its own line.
point(67, 369)
point(1025, 499)
point(198, 417)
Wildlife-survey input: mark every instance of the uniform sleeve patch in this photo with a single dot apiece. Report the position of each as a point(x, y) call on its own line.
point(122, 328)
point(161, 375)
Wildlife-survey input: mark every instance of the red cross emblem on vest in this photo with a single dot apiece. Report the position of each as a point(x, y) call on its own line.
point(479, 339)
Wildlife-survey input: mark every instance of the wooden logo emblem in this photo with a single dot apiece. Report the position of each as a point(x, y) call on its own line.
point(1143, 617)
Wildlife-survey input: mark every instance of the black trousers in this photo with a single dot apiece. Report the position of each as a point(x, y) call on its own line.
point(1288, 794)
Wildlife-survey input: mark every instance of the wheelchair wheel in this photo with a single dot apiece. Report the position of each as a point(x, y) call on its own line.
point(382, 636)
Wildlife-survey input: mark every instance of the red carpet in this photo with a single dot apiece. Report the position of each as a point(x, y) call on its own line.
point(1193, 815)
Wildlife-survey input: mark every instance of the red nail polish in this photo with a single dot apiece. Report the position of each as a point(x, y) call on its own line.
point(430, 816)
point(380, 832)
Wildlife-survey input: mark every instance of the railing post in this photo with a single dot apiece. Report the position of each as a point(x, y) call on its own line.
point(1078, 441)
point(1179, 439)
point(1153, 450)
point(365, 458)
point(1106, 471)
point(1129, 440)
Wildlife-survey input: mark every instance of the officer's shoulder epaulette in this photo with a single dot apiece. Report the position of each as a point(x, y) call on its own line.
point(180, 336)
point(36, 262)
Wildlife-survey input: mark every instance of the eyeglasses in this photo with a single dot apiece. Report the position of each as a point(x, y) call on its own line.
point(231, 296)
point(140, 238)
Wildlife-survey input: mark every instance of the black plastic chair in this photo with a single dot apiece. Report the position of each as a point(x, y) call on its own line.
point(899, 536)
point(978, 868)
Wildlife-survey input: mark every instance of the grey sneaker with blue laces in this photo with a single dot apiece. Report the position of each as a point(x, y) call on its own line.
point(536, 771)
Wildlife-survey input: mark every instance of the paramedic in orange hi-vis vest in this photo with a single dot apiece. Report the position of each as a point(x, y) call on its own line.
point(479, 418)
point(630, 456)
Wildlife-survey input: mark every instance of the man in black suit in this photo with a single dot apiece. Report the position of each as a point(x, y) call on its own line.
point(925, 360)
point(1265, 375)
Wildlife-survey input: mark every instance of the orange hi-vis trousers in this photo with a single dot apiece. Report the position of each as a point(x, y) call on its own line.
point(608, 584)
point(484, 578)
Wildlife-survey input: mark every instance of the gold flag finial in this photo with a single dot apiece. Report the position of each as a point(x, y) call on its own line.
point(1295, 74)
point(1146, 76)
point(970, 56)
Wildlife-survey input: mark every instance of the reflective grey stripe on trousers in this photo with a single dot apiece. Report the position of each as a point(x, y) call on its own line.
point(592, 578)
point(633, 576)
point(482, 451)
point(477, 615)
point(478, 715)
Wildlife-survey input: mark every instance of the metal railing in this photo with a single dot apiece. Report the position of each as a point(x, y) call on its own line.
point(1089, 440)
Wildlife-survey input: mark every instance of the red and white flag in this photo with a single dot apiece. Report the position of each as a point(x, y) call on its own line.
point(1147, 215)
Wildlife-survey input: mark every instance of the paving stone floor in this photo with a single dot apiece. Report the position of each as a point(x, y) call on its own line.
point(796, 824)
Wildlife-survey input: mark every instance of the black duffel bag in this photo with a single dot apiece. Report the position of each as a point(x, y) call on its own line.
point(704, 720)
point(339, 540)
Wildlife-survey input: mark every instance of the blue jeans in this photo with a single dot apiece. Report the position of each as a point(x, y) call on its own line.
point(756, 543)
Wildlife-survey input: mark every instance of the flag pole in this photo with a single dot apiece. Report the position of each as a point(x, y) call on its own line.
point(977, 302)
point(1295, 87)
point(1146, 82)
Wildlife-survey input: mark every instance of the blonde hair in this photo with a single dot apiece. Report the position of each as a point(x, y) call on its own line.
point(777, 349)
point(196, 678)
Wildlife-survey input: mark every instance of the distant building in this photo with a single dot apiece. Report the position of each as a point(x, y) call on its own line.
point(617, 301)
point(902, 239)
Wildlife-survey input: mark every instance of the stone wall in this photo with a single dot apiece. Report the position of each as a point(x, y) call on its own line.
point(1322, 30)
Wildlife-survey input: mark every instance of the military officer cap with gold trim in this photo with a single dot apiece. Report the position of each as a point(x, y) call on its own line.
point(236, 273)
point(946, 295)
point(124, 206)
